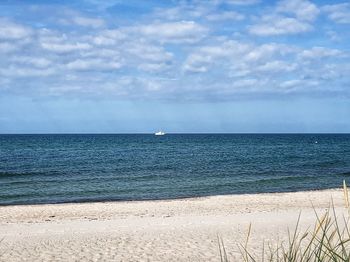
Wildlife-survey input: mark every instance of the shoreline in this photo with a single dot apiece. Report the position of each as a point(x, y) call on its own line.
point(160, 230)
point(167, 199)
point(272, 200)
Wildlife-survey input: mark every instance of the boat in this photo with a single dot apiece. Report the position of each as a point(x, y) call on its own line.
point(159, 133)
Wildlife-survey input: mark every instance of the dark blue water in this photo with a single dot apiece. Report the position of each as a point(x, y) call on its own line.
point(69, 168)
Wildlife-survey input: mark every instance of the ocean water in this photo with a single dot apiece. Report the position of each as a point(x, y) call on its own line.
point(38, 169)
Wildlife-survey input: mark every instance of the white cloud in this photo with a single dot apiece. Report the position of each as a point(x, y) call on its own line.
point(93, 64)
point(207, 56)
point(318, 52)
point(88, 22)
point(299, 84)
point(108, 37)
point(302, 9)
point(72, 17)
point(333, 35)
point(60, 43)
point(13, 31)
point(287, 17)
point(65, 47)
point(339, 13)
point(39, 62)
point(15, 71)
point(193, 10)
point(191, 67)
point(228, 15)
point(277, 66)
point(238, 2)
point(176, 32)
point(238, 58)
point(234, 66)
point(6, 47)
point(148, 52)
point(279, 25)
point(153, 67)
point(102, 53)
point(266, 51)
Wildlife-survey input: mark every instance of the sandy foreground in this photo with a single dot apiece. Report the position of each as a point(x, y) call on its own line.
point(171, 230)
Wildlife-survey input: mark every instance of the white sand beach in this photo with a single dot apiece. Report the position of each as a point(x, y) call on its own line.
point(170, 230)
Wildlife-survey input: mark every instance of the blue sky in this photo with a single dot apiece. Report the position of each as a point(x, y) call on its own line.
point(177, 65)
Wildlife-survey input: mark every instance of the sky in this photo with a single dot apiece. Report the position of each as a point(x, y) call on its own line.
point(185, 66)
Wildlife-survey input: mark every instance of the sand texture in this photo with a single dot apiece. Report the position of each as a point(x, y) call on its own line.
point(170, 230)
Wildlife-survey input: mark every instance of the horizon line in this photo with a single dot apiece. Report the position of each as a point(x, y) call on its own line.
point(181, 133)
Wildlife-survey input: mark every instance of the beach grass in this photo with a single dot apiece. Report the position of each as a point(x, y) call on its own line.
point(329, 240)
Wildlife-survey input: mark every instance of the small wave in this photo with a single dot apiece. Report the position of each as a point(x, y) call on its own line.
point(293, 178)
point(10, 174)
point(283, 178)
point(325, 164)
point(344, 174)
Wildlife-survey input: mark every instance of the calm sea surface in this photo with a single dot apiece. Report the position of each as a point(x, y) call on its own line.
point(71, 168)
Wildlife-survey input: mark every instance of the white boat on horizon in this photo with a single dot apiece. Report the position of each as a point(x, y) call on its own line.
point(159, 133)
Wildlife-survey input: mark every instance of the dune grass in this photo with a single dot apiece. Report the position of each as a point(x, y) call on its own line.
point(328, 241)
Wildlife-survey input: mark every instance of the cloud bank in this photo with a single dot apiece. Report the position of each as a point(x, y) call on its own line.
point(183, 50)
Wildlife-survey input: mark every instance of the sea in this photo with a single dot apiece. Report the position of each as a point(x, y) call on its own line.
point(55, 168)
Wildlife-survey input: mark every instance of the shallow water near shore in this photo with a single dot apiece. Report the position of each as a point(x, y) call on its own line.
point(38, 169)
